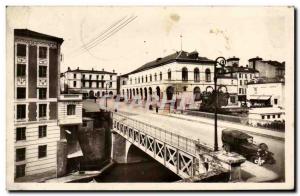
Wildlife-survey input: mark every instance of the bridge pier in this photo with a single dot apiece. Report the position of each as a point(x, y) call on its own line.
point(124, 152)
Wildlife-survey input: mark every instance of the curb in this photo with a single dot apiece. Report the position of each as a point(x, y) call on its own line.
point(250, 132)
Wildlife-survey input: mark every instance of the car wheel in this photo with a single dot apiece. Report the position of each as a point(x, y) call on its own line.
point(252, 159)
point(263, 146)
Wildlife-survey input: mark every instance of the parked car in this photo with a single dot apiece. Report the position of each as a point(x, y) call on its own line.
point(242, 143)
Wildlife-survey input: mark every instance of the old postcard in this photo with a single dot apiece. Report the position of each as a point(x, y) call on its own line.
point(150, 98)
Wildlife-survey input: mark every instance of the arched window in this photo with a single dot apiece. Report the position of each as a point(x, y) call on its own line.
point(207, 75)
point(155, 77)
point(150, 78)
point(185, 74)
point(146, 78)
point(135, 80)
point(142, 79)
point(139, 80)
point(160, 76)
point(169, 74)
point(130, 80)
point(196, 75)
point(197, 94)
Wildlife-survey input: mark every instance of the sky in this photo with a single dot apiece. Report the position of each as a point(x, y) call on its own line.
point(92, 39)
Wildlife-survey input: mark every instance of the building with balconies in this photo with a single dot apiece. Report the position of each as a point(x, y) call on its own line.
point(36, 89)
point(89, 83)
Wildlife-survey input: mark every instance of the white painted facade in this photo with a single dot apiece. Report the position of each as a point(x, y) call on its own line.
point(89, 82)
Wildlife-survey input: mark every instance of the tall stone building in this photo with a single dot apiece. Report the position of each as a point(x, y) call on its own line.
point(37, 128)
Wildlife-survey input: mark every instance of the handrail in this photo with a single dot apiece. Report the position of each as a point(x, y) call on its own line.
point(181, 142)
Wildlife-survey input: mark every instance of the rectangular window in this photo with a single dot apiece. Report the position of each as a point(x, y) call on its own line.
point(90, 84)
point(20, 170)
point(21, 70)
point(42, 110)
point(42, 131)
point(241, 82)
point(75, 75)
point(42, 52)
point(74, 83)
point(42, 71)
point(268, 116)
point(102, 84)
point(83, 76)
point(250, 76)
point(110, 84)
point(275, 101)
point(21, 133)
point(97, 84)
point(71, 109)
point(102, 77)
point(278, 115)
point(90, 77)
point(20, 154)
point(273, 116)
point(97, 77)
point(42, 93)
point(42, 151)
point(21, 111)
point(21, 93)
point(232, 99)
point(21, 50)
point(246, 76)
point(110, 77)
point(240, 91)
point(240, 75)
point(262, 117)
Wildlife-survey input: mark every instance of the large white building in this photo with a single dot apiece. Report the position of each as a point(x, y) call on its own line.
point(174, 77)
point(90, 83)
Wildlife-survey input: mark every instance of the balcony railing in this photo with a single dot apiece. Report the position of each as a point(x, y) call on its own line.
point(70, 97)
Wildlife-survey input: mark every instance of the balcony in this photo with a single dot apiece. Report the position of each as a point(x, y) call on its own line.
point(70, 109)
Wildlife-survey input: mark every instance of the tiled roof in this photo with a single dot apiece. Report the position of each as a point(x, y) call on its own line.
point(179, 56)
point(34, 34)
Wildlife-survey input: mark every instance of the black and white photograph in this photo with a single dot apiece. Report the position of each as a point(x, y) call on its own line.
point(150, 98)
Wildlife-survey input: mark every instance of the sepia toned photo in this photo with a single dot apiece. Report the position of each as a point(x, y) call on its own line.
point(150, 98)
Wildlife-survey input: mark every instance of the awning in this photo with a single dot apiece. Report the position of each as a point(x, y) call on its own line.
point(75, 154)
point(260, 97)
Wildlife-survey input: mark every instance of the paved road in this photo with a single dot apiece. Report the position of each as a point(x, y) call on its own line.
point(202, 131)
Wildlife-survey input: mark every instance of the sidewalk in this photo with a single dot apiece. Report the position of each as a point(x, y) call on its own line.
point(226, 124)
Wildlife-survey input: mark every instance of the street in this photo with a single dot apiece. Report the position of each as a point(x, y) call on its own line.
point(204, 132)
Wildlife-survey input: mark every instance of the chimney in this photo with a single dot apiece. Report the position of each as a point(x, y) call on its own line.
point(102, 69)
point(69, 69)
point(77, 68)
point(113, 71)
point(92, 69)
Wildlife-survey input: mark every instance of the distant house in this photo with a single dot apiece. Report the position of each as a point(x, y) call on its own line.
point(90, 83)
point(267, 68)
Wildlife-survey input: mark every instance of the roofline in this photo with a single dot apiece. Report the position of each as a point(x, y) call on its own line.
point(33, 34)
point(90, 71)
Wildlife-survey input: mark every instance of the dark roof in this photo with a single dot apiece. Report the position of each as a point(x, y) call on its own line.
point(233, 59)
point(241, 69)
point(255, 59)
point(275, 63)
point(179, 56)
point(30, 34)
point(236, 133)
point(91, 71)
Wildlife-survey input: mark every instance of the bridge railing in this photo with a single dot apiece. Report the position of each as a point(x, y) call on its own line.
point(183, 143)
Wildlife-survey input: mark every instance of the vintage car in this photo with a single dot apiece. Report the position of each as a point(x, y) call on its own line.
point(242, 143)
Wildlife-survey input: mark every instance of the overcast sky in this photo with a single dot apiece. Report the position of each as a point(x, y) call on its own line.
point(93, 41)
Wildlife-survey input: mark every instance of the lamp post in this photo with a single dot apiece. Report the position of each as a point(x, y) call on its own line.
point(220, 61)
point(106, 94)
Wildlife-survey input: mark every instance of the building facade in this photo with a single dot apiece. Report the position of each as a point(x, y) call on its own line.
point(90, 83)
point(266, 100)
point(268, 69)
point(179, 76)
point(243, 76)
point(36, 104)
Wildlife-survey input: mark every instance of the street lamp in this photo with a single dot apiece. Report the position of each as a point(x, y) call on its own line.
point(219, 65)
